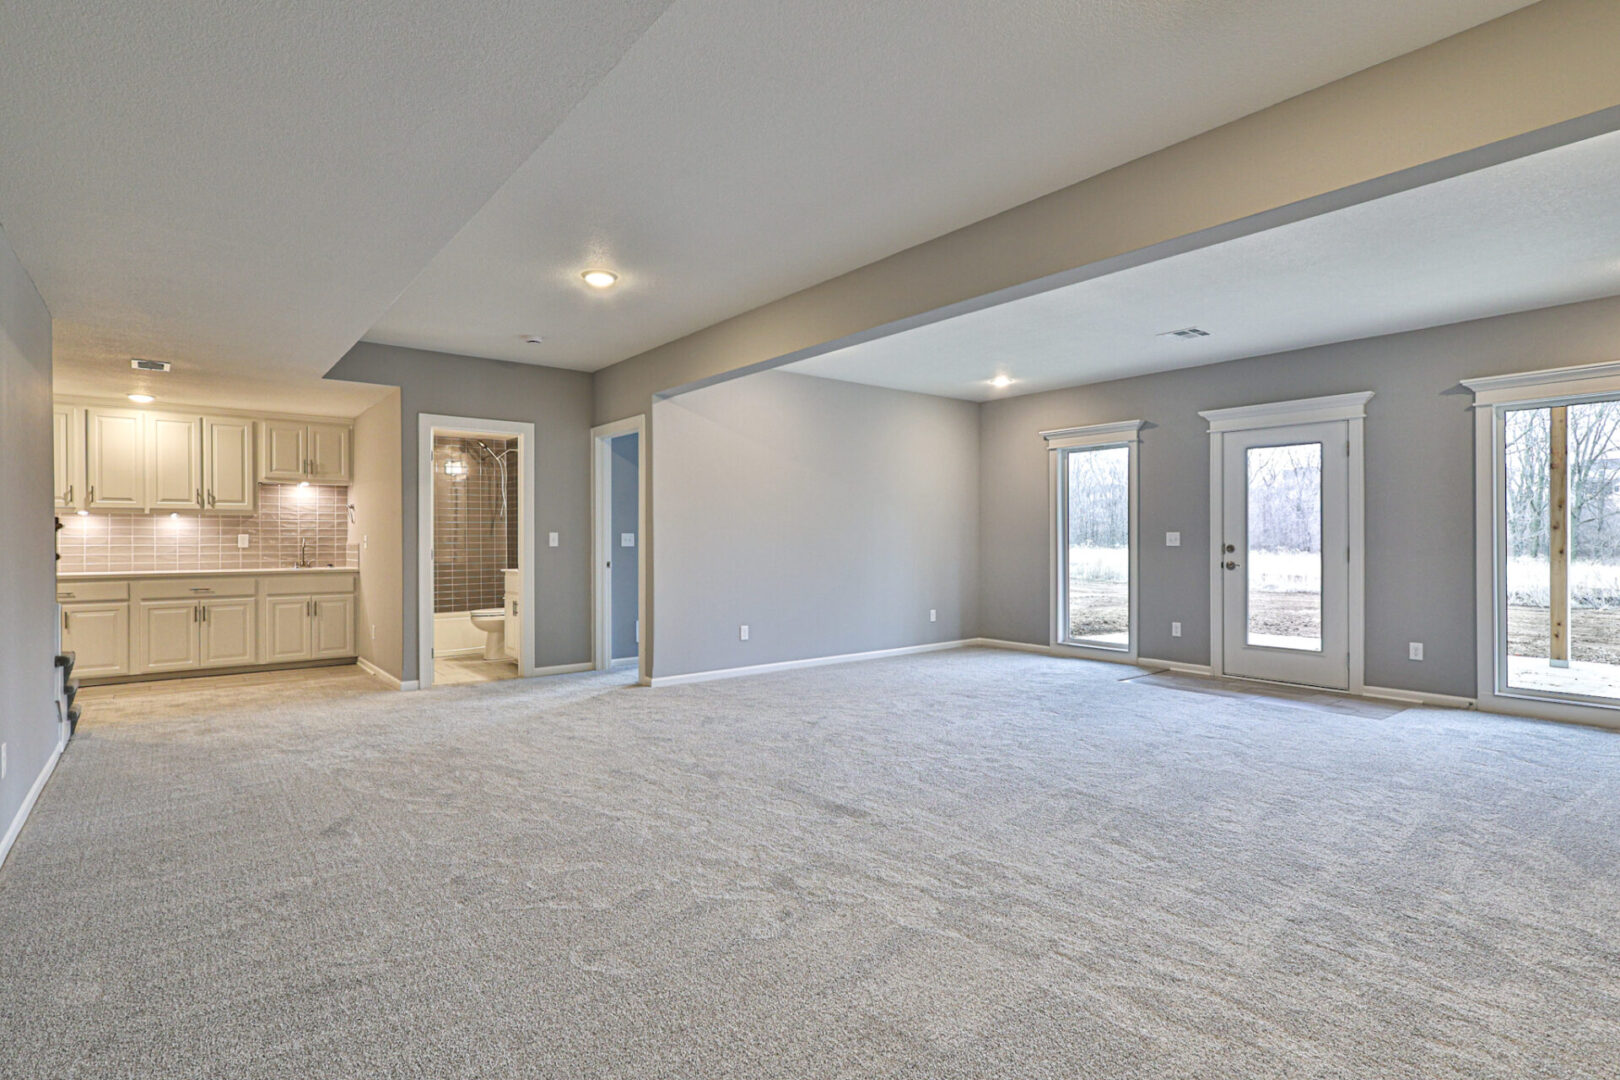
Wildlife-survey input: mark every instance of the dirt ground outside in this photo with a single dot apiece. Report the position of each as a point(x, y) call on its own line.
point(1099, 609)
point(1594, 633)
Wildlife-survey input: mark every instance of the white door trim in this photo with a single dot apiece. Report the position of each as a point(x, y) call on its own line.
point(1126, 433)
point(426, 425)
point(1351, 408)
point(602, 540)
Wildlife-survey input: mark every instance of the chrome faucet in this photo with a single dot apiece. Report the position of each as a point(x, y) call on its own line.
point(303, 557)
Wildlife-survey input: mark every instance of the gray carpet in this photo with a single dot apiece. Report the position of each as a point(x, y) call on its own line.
point(972, 864)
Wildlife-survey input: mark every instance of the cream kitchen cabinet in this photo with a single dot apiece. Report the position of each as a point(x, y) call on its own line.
point(168, 635)
point(228, 479)
point(174, 468)
point(115, 459)
point(195, 622)
point(67, 453)
point(308, 627)
point(230, 632)
point(293, 452)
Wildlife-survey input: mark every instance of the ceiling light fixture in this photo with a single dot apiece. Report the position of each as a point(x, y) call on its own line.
point(600, 279)
point(142, 399)
point(84, 513)
point(1001, 382)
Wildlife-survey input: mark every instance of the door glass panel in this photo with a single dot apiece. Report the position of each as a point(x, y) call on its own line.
point(1284, 607)
point(1098, 527)
point(1562, 493)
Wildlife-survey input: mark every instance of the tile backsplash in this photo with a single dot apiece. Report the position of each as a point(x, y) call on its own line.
point(135, 542)
point(474, 527)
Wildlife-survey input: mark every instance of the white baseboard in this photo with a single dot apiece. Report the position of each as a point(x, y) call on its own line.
point(1418, 697)
point(452, 654)
point(1016, 646)
point(564, 669)
point(372, 669)
point(17, 822)
point(814, 661)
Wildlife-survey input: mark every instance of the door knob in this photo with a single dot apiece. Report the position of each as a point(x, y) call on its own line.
point(1230, 565)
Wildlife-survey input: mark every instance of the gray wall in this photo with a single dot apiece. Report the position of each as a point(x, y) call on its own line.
point(28, 724)
point(377, 496)
point(626, 498)
point(558, 403)
point(827, 516)
point(1420, 495)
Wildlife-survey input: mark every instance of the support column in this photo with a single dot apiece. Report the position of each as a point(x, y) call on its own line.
point(1558, 535)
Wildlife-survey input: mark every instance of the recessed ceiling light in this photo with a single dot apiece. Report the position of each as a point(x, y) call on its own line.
point(533, 339)
point(1001, 382)
point(142, 399)
point(84, 513)
point(600, 279)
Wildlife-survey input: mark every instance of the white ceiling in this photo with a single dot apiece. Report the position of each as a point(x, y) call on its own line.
point(246, 187)
point(1537, 231)
point(741, 151)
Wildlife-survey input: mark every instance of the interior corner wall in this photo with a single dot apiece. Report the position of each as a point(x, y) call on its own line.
point(828, 517)
point(558, 403)
point(28, 718)
point(378, 502)
point(1419, 469)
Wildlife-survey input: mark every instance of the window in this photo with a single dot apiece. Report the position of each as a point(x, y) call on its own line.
point(1094, 532)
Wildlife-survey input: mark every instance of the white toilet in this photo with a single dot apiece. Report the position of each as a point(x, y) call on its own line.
point(492, 621)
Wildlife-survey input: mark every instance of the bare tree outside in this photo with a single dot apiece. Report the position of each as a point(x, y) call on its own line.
point(1285, 546)
point(1099, 535)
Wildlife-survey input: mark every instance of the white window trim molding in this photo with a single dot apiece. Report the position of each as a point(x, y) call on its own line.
point(1493, 395)
point(1351, 408)
point(1126, 433)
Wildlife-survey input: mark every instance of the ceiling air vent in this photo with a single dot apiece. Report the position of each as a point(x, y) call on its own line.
point(1186, 333)
point(151, 365)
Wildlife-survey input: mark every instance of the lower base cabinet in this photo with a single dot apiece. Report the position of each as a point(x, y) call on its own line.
point(98, 635)
point(152, 626)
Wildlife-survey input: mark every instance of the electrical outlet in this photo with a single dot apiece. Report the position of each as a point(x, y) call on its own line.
point(742, 633)
point(1172, 539)
point(1175, 629)
point(933, 615)
point(552, 540)
point(241, 540)
point(1414, 650)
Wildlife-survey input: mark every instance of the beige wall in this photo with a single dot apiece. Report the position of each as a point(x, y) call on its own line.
point(28, 723)
point(376, 494)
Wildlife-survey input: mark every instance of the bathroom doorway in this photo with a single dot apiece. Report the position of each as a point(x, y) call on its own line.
point(475, 550)
point(619, 571)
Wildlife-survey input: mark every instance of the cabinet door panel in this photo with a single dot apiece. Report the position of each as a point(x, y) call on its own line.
point(168, 635)
point(173, 462)
point(334, 626)
point(329, 453)
point(228, 479)
point(116, 464)
point(67, 456)
point(283, 450)
point(229, 634)
point(98, 635)
point(286, 629)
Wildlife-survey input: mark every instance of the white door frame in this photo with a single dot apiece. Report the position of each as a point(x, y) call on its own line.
point(602, 437)
point(426, 425)
point(1348, 407)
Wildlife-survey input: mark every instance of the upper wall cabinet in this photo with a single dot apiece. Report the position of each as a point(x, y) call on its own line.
point(115, 460)
point(293, 452)
point(67, 451)
point(174, 462)
point(228, 482)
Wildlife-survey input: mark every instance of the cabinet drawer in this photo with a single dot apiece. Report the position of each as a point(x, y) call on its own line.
point(194, 588)
point(305, 584)
point(70, 591)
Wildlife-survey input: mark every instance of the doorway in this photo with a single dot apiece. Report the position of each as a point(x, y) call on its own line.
point(475, 610)
point(1286, 535)
point(618, 485)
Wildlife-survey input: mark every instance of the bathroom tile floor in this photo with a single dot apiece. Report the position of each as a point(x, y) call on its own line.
point(461, 670)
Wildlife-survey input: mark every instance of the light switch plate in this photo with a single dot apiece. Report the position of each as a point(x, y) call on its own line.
point(627, 539)
point(1172, 539)
point(552, 539)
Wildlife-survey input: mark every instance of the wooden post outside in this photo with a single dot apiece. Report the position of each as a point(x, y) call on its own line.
point(1558, 535)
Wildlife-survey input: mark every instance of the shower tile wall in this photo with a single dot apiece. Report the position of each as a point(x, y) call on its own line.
point(472, 541)
point(287, 514)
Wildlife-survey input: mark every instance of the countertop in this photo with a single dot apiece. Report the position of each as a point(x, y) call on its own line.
point(120, 575)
